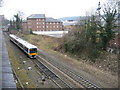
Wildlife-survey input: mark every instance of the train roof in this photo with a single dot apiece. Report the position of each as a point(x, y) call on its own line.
point(23, 42)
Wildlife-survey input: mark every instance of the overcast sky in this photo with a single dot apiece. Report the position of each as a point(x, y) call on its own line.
point(51, 8)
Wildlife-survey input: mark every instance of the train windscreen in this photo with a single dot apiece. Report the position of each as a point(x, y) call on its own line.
point(33, 50)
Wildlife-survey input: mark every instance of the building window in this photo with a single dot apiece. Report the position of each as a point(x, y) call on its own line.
point(37, 27)
point(43, 26)
point(37, 23)
point(43, 23)
point(47, 26)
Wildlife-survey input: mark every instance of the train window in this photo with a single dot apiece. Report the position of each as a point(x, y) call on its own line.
point(26, 49)
point(21, 45)
point(15, 41)
point(33, 50)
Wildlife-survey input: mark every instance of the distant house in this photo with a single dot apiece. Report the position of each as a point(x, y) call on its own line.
point(38, 22)
point(70, 23)
point(115, 43)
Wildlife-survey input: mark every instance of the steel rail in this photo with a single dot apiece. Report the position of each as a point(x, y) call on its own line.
point(18, 79)
point(78, 78)
point(55, 78)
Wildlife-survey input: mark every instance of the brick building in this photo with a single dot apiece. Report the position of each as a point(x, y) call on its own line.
point(25, 26)
point(38, 22)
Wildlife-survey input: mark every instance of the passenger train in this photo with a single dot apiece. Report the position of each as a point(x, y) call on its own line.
point(29, 49)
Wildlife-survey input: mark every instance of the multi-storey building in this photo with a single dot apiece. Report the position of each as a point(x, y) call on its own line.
point(38, 22)
point(25, 26)
point(53, 24)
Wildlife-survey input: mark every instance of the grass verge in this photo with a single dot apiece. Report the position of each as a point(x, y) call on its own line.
point(22, 73)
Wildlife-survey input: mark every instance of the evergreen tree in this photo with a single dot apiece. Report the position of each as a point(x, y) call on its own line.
point(108, 33)
point(18, 22)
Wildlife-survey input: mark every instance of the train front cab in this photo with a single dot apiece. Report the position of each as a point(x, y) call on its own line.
point(33, 52)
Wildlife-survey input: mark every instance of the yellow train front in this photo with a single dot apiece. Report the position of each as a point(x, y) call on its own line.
point(33, 52)
point(29, 49)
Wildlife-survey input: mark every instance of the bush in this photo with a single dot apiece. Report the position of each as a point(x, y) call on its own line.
point(65, 46)
point(80, 47)
point(94, 54)
point(31, 32)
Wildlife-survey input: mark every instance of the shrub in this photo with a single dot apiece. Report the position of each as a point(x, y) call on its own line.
point(94, 54)
point(31, 32)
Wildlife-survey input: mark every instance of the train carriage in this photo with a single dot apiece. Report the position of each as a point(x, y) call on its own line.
point(29, 49)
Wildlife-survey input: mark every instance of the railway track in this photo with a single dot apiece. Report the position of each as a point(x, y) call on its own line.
point(16, 76)
point(76, 77)
point(55, 78)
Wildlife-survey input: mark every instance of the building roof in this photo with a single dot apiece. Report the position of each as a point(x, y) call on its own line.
point(52, 20)
point(48, 19)
point(36, 16)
